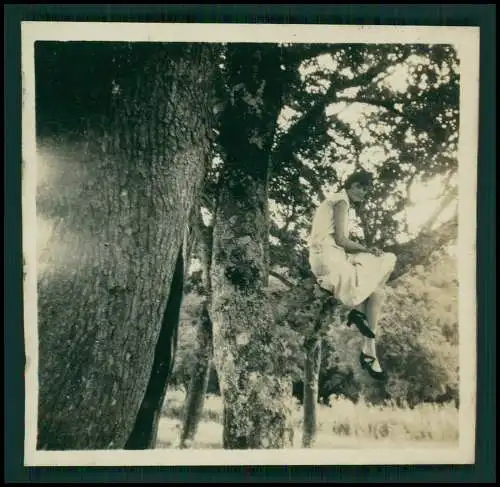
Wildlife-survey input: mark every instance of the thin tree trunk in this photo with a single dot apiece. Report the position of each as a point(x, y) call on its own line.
point(115, 198)
point(311, 384)
point(247, 348)
point(195, 400)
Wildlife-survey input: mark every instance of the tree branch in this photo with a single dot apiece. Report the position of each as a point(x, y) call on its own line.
point(388, 105)
point(344, 128)
point(284, 280)
point(418, 250)
point(290, 217)
point(447, 199)
point(408, 186)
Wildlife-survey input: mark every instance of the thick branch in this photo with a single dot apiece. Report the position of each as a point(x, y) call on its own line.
point(418, 250)
point(447, 199)
point(389, 106)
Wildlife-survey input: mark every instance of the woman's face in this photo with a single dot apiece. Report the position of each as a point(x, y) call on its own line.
point(358, 192)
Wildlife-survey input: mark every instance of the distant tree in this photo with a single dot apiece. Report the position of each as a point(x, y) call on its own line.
point(202, 362)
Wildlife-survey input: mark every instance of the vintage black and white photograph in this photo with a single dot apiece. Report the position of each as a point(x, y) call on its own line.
point(249, 243)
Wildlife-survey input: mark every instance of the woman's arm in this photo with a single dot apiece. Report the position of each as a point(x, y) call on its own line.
point(340, 217)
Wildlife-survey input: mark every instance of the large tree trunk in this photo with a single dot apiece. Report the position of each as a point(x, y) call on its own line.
point(113, 200)
point(247, 349)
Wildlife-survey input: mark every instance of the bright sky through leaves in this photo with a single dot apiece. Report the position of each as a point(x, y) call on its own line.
point(424, 196)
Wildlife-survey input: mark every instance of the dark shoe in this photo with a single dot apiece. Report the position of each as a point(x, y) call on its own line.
point(360, 320)
point(366, 361)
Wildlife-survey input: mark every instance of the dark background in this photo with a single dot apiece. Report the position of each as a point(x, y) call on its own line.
point(484, 16)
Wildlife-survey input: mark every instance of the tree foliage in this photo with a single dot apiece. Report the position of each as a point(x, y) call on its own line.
point(392, 109)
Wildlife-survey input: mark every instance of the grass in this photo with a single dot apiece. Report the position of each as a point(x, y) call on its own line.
point(345, 425)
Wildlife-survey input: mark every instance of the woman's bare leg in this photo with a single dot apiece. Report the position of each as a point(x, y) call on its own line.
point(361, 307)
point(373, 306)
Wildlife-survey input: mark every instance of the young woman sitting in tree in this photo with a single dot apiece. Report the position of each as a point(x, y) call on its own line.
point(353, 273)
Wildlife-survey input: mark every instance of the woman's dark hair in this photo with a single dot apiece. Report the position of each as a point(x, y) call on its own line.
point(362, 177)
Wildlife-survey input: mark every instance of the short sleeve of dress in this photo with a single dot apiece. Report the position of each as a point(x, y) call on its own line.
point(322, 229)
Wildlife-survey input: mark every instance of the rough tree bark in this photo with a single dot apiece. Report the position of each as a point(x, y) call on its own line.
point(113, 198)
point(246, 345)
point(144, 433)
point(195, 399)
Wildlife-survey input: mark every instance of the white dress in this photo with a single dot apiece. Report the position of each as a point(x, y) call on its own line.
point(350, 277)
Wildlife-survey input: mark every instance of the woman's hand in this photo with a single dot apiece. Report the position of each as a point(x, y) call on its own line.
point(376, 251)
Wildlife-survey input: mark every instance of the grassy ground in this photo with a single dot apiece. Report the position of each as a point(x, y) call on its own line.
point(346, 425)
